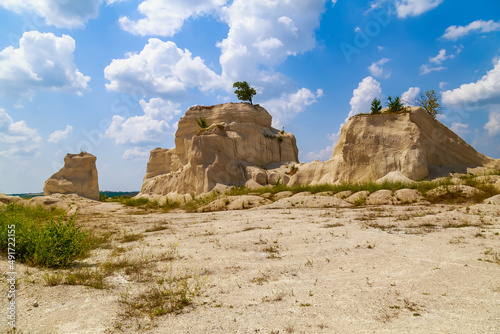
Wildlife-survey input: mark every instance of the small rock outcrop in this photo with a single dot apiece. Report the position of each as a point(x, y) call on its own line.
point(234, 147)
point(411, 145)
point(78, 176)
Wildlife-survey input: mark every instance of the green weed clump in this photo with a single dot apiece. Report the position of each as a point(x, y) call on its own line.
point(41, 237)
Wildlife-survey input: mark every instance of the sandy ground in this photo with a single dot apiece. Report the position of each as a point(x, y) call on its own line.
point(371, 269)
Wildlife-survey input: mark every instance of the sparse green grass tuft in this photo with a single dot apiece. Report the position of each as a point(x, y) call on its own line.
point(131, 237)
point(157, 227)
point(168, 294)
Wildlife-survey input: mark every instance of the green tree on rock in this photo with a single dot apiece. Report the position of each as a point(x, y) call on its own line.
point(244, 92)
point(394, 104)
point(376, 106)
point(430, 102)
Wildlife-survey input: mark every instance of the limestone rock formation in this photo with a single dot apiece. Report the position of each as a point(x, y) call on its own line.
point(78, 176)
point(241, 148)
point(238, 142)
point(414, 144)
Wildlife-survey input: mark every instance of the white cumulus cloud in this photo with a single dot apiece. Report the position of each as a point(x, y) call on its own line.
point(166, 17)
point(362, 97)
point(135, 153)
point(265, 33)
point(493, 125)
point(62, 14)
point(407, 8)
point(42, 62)
point(377, 71)
point(455, 32)
point(161, 68)
point(484, 91)
point(152, 127)
point(58, 135)
point(17, 138)
point(288, 106)
point(410, 95)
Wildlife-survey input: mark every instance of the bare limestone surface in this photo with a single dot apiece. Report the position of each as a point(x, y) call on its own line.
point(239, 138)
point(77, 176)
point(413, 143)
point(416, 268)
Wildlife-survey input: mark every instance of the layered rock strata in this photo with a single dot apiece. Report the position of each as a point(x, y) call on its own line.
point(77, 176)
point(411, 145)
point(237, 136)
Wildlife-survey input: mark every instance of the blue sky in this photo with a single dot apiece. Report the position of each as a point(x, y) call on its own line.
point(113, 77)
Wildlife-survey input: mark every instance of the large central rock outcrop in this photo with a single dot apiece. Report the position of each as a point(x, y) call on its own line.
point(238, 137)
point(78, 176)
point(413, 144)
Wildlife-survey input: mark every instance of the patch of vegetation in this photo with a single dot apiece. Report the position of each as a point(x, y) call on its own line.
point(157, 227)
point(139, 202)
point(243, 91)
point(261, 279)
point(376, 106)
point(430, 102)
point(202, 122)
point(194, 204)
point(492, 256)
point(41, 239)
point(331, 225)
point(273, 251)
point(93, 278)
point(293, 170)
point(456, 196)
point(131, 237)
point(395, 104)
point(169, 294)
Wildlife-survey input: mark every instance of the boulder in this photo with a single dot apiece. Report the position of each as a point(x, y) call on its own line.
point(406, 196)
point(6, 199)
point(358, 197)
point(238, 142)
point(77, 176)
point(381, 197)
point(343, 194)
point(283, 194)
point(462, 190)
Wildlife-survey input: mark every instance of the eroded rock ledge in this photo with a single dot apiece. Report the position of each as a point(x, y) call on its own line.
point(233, 149)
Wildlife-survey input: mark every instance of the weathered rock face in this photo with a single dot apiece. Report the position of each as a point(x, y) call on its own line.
point(239, 135)
point(372, 146)
point(78, 176)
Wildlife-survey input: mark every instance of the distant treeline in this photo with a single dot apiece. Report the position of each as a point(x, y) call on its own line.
point(101, 193)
